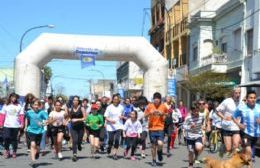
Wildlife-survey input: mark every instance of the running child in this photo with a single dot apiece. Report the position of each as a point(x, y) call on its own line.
point(132, 131)
point(34, 126)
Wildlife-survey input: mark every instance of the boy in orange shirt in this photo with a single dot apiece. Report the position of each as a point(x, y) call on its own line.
point(156, 113)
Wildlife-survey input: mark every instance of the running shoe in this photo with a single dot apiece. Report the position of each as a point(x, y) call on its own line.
point(115, 157)
point(79, 147)
point(14, 155)
point(32, 164)
point(74, 158)
point(160, 155)
point(154, 164)
point(60, 156)
point(108, 150)
point(6, 154)
point(125, 153)
point(133, 158)
point(228, 154)
point(102, 148)
point(37, 155)
point(196, 161)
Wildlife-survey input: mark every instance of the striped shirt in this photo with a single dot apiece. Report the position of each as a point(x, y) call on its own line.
point(248, 118)
point(196, 132)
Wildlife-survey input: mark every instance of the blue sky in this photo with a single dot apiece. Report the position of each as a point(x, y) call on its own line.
point(90, 17)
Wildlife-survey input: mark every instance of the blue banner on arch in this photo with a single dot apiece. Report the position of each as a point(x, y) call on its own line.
point(87, 56)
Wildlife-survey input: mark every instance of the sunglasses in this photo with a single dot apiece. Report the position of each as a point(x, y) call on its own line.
point(201, 103)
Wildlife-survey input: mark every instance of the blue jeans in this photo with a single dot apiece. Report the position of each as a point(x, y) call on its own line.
point(43, 141)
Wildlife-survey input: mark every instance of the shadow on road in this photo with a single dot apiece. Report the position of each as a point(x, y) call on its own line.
point(42, 164)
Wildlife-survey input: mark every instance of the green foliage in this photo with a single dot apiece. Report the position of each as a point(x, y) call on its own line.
point(209, 85)
point(47, 73)
point(216, 50)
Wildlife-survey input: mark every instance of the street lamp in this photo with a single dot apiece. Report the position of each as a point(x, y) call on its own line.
point(32, 28)
point(103, 78)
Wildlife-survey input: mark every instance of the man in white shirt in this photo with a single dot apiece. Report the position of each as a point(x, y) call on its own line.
point(230, 131)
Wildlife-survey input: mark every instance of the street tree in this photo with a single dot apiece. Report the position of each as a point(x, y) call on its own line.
point(47, 73)
point(209, 85)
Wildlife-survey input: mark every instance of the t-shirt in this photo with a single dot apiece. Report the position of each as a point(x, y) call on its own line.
point(196, 132)
point(93, 121)
point(176, 116)
point(114, 113)
point(36, 120)
point(227, 108)
point(12, 113)
point(155, 121)
point(248, 118)
point(141, 118)
point(127, 110)
point(59, 117)
point(131, 128)
point(216, 120)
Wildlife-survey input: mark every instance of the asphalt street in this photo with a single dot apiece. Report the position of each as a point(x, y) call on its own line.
point(178, 159)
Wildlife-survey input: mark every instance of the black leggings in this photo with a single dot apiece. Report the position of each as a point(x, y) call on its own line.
point(168, 131)
point(142, 140)
point(11, 137)
point(113, 139)
point(77, 136)
point(131, 143)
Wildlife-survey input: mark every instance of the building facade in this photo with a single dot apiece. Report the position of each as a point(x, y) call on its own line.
point(129, 79)
point(223, 40)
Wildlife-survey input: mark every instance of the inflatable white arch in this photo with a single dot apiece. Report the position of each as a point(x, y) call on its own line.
point(49, 46)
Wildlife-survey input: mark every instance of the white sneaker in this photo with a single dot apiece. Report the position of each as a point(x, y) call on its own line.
point(60, 155)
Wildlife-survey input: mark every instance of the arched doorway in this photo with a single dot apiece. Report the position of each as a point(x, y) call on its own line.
point(111, 48)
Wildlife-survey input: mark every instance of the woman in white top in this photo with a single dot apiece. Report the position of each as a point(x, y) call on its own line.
point(114, 124)
point(13, 119)
point(58, 120)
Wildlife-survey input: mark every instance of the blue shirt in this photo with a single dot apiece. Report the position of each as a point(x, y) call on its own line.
point(248, 118)
point(35, 120)
point(128, 109)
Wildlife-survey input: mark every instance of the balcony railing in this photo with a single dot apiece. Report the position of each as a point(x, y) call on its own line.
point(214, 59)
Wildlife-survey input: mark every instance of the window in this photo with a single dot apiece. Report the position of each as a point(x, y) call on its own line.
point(237, 39)
point(195, 53)
point(224, 47)
point(250, 42)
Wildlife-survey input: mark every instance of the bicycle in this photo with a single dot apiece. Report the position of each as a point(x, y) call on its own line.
point(215, 140)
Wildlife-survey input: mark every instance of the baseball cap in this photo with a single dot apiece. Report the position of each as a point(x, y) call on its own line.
point(94, 107)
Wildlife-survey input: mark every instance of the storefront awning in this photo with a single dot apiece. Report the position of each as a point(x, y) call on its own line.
point(251, 84)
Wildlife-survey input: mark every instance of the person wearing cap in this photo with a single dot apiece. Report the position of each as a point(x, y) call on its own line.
point(95, 122)
point(12, 119)
point(156, 113)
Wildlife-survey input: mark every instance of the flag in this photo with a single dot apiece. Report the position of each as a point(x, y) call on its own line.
point(87, 60)
point(87, 56)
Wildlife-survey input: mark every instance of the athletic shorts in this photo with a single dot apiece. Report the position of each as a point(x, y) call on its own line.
point(95, 133)
point(155, 136)
point(248, 140)
point(35, 138)
point(229, 133)
point(192, 142)
point(56, 130)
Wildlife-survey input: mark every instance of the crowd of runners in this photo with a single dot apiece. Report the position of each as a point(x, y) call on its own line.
point(106, 125)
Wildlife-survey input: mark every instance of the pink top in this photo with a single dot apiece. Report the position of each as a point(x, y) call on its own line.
point(183, 111)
